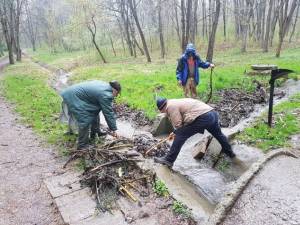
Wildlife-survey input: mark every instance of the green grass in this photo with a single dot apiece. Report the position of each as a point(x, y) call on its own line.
point(181, 209)
point(25, 85)
point(160, 188)
point(140, 80)
point(286, 123)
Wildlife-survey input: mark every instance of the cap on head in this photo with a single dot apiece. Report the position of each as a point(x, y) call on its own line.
point(161, 102)
point(116, 85)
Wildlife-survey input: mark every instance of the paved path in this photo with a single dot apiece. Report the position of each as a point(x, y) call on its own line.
point(24, 163)
point(272, 197)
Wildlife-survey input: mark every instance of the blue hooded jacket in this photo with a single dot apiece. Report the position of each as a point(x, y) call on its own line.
point(182, 70)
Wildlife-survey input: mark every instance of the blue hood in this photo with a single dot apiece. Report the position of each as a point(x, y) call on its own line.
point(190, 49)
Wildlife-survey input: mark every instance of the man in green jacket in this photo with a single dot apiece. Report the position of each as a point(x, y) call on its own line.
point(83, 103)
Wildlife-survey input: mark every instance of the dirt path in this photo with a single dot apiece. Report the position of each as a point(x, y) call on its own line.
point(24, 163)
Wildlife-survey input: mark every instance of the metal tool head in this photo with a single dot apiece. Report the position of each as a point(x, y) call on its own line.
point(278, 73)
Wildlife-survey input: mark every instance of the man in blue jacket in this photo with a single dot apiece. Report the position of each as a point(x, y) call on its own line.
point(84, 101)
point(187, 72)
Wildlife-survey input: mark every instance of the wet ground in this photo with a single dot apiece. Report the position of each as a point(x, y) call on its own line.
point(24, 162)
point(272, 197)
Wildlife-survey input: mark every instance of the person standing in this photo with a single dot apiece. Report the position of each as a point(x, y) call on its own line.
point(82, 104)
point(187, 72)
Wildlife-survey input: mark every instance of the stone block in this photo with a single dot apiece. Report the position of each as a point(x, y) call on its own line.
point(162, 125)
point(63, 184)
point(76, 206)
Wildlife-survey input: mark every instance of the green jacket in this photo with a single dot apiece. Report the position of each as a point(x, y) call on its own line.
point(85, 100)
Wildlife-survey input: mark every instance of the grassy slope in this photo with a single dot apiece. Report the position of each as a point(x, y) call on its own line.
point(286, 123)
point(140, 79)
point(25, 84)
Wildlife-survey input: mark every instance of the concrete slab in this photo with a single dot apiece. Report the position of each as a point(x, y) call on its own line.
point(162, 125)
point(116, 218)
point(63, 184)
point(76, 206)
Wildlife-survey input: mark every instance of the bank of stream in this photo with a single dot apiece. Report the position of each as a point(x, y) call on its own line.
point(194, 182)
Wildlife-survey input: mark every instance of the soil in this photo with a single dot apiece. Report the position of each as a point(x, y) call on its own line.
point(236, 105)
point(24, 163)
point(233, 106)
point(137, 117)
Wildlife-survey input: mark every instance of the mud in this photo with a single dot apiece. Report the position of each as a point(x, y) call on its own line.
point(236, 105)
point(142, 143)
point(136, 117)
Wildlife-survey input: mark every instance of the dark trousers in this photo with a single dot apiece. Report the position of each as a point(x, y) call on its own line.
point(89, 131)
point(208, 121)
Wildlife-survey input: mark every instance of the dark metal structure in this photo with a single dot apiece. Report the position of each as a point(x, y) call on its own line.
point(276, 73)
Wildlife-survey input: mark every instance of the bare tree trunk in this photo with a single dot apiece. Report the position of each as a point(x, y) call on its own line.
point(195, 21)
point(224, 20)
point(132, 6)
point(183, 40)
point(176, 22)
point(160, 31)
point(274, 22)
point(4, 10)
point(266, 41)
point(30, 31)
point(112, 45)
point(125, 19)
point(246, 16)
point(237, 19)
point(8, 39)
point(263, 18)
point(295, 22)
point(17, 28)
point(204, 24)
point(188, 20)
point(93, 31)
point(285, 19)
point(212, 36)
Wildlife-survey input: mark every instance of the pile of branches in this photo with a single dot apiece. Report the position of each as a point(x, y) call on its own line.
point(111, 169)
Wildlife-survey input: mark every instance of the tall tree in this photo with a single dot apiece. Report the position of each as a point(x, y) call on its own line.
point(295, 22)
point(212, 36)
point(285, 18)
point(5, 10)
point(268, 26)
point(132, 5)
point(160, 30)
point(92, 27)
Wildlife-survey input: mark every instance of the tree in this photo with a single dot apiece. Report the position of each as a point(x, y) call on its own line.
point(5, 9)
point(268, 26)
point(285, 18)
point(91, 25)
point(133, 9)
point(295, 22)
point(246, 14)
point(212, 36)
point(160, 31)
